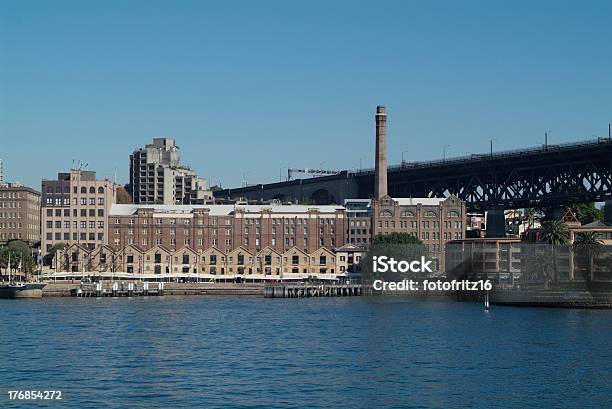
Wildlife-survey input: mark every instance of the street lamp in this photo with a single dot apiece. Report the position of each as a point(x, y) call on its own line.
point(360, 162)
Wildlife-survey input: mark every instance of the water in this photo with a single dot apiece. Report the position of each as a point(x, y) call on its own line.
point(206, 352)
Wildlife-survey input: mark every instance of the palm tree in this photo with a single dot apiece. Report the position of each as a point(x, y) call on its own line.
point(591, 245)
point(555, 233)
point(540, 267)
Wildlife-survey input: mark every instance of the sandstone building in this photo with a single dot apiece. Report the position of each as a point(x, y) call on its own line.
point(74, 209)
point(19, 213)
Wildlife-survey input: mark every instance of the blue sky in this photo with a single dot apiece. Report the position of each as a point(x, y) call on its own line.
point(248, 87)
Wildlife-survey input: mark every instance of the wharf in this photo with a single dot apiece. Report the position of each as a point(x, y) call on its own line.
point(314, 290)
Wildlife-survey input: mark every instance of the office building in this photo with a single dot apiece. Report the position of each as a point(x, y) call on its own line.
point(19, 213)
point(74, 209)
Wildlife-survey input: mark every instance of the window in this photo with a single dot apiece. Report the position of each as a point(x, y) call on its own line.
point(407, 213)
point(452, 213)
point(386, 213)
point(430, 213)
point(185, 258)
point(295, 260)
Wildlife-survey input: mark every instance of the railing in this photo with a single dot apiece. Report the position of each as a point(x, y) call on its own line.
point(496, 155)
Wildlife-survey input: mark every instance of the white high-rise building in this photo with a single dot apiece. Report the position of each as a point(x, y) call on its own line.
point(157, 177)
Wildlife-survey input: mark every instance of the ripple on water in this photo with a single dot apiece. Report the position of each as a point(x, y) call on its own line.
point(251, 352)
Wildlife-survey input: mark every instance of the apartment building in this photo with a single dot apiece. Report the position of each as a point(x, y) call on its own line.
point(19, 213)
point(75, 208)
point(157, 176)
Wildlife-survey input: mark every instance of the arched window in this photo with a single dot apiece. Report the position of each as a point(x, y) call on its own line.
point(430, 213)
point(407, 213)
point(92, 190)
point(452, 213)
point(83, 189)
point(386, 213)
point(100, 189)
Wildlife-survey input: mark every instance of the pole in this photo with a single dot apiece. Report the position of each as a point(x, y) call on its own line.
point(609, 134)
point(491, 147)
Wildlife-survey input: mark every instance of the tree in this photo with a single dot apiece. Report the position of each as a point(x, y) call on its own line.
point(540, 266)
point(19, 246)
point(397, 238)
point(400, 246)
point(589, 244)
point(587, 212)
point(48, 258)
point(555, 233)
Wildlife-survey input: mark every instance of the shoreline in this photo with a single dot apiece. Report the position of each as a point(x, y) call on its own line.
point(572, 299)
point(239, 289)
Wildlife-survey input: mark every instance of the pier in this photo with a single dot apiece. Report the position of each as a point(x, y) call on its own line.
point(302, 290)
point(118, 289)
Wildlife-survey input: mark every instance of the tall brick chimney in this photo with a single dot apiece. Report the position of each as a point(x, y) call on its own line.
point(380, 166)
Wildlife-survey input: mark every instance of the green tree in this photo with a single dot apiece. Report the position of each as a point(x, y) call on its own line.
point(589, 244)
point(397, 238)
point(555, 233)
point(400, 246)
point(48, 258)
point(19, 246)
point(587, 212)
point(540, 266)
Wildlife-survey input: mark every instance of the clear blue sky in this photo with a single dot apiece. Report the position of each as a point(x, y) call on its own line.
point(247, 87)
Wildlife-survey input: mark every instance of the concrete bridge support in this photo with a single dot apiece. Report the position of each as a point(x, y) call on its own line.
point(608, 212)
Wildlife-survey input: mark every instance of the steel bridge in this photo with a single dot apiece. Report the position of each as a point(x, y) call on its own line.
point(544, 176)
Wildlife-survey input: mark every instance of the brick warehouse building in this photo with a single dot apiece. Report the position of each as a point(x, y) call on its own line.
point(227, 227)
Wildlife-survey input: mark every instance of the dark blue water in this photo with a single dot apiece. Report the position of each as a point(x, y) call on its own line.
point(202, 352)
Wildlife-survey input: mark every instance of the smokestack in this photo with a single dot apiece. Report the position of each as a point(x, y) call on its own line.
point(381, 153)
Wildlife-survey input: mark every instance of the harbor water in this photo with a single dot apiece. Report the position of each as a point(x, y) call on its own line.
point(354, 352)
